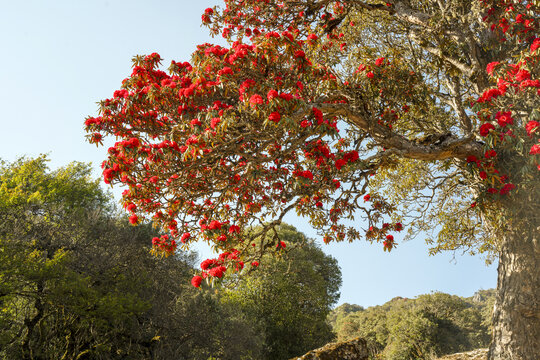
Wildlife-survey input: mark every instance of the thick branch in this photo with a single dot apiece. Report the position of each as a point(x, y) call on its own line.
point(455, 87)
point(451, 147)
point(445, 146)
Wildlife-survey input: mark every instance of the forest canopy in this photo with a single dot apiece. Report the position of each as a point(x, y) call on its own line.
point(78, 281)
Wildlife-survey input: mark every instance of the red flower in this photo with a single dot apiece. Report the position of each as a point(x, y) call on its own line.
point(351, 156)
point(398, 227)
point(471, 158)
point(318, 115)
point(239, 266)
point(96, 138)
point(340, 163)
point(133, 142)
point(491, 67)
point(214, 225)
point(299, 54)
point(490, 153)
point(388, 244)
point(133, 219)
point(214, 122)
point(308, 174)
point(367, 197)
point(217, 271)
point(485, 129)
point(255, 263)
point(234, 229)
point(193, 139)
point(535, 45)
point(483, 175)
point(379, 61)
point(207, 263)
point(275, 117)
point(222, 238)
point(91, 121)
point(390, 237)
point(523, 75)
point(285, 96)
point(507, 188)
point(504, 118)
point(196, 281)
point(272, 94)
point(535, 149)
point(532, 127)
point(492, 191)
point(489, 94)
point(370, 75)
point(185, 237)
point(256, 99)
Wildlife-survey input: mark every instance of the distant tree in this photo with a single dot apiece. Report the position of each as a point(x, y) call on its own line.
point(486, 299)
point(430, 325)
point(460, 323)
point(411, 334)
point(290, 301)
point(369, 324)
point(341, 311)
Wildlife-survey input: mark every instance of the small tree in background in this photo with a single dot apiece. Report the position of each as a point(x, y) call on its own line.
point(423, 328)
point(291, 299)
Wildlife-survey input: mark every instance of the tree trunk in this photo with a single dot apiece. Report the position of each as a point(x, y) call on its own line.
point(516, 316)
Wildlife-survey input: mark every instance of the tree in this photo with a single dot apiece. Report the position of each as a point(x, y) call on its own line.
point(428, 326)
point(337, 315)
point(339, 110)
point(78, 281)
point(291, 299)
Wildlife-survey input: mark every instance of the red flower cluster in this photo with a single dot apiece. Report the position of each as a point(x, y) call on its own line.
point(216, 268)
point(305, 174)
point(196, 281)
point(275, 117)
point(500, 129)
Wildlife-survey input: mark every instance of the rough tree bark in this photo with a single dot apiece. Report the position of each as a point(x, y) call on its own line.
point(516, 317)
point(354, 349)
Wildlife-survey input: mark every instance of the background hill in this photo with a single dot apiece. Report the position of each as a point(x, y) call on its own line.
point(430, 325)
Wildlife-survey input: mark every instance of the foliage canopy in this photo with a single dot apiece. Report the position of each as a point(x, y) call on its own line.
point(402, 111)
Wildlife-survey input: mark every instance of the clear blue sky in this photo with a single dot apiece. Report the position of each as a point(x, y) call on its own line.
point(59, 57)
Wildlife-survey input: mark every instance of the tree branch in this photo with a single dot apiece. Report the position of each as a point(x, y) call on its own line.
point(445, 146)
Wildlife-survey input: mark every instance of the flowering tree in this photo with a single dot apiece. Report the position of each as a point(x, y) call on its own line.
point(406, 111)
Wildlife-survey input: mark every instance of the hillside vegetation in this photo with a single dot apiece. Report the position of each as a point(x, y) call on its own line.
point(422, 328)
point(77, 281)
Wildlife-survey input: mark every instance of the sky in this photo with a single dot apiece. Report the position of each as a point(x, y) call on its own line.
point(60, 57)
